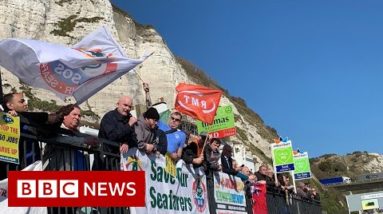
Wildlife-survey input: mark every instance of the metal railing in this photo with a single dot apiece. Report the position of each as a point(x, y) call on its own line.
point(280, 203)
point(67, 153)
point(71, 153)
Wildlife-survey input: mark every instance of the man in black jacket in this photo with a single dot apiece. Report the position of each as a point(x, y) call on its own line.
point(117, 125)
point(262, 176)
point(190, 154)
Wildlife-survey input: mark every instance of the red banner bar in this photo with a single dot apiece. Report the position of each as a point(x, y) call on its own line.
point(224, 133)
point(80, 188)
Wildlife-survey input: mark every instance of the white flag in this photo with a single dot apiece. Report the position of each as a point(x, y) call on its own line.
point(81, 71)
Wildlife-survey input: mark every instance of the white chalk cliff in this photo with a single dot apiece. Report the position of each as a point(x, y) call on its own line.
point(67, 21)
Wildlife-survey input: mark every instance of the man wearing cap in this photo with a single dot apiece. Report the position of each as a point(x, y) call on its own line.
point(150, 139)
point(176, 137)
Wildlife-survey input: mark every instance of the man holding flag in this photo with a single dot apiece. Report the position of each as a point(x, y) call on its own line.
point(35, 123)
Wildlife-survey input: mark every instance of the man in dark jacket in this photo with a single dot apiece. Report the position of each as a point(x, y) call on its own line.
point(190, 152)
point(228, 164)
point(227, 161)
point(212, 157)
point(117, 126)
point(262, 176)
point(211, 164)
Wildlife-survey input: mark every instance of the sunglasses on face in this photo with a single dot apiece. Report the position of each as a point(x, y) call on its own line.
point(175, 119)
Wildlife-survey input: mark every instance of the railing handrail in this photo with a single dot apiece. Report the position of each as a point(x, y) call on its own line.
point(77, 142)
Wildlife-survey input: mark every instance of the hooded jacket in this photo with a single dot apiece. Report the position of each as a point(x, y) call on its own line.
point(147, 135)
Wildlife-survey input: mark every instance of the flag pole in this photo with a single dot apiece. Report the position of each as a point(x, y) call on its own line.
point(1, 92)
point(275, 176)
point(204, 145)
point(295, 186)
point(139, 77)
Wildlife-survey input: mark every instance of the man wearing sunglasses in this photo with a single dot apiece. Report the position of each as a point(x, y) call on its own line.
point(176, 137)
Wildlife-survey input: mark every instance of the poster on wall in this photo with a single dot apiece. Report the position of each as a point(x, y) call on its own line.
point(229, 194)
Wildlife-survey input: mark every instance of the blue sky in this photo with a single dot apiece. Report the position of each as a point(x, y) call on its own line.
point(313, 70)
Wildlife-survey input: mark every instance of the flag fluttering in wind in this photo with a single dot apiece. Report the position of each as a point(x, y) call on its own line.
point(197, 101)
point(81, 71)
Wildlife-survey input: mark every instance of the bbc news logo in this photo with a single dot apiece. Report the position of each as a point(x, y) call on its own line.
point(80, 188)
point(47, 188)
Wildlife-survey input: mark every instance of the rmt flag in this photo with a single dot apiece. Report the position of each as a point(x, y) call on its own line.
point(197, 101)
point(81, 71)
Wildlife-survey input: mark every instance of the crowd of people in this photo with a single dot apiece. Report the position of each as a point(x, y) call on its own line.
point(147, 133)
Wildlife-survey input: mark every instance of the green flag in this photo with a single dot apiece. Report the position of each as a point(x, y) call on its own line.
point(224, 119)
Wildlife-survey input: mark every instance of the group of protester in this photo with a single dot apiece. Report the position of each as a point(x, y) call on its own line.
point(305, 191)
point(147, 133)
point(284, 185)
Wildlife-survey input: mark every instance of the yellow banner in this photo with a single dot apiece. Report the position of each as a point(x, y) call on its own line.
point(170, 166)
point(9, 138)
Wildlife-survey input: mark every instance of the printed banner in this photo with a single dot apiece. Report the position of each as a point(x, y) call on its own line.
point(170, 166)
point(76, 188)
point(197, 101)
point(282, 154)
point(185, 193)
point(9, 138)
point(223, 124)
point(224, 119)
point(229, 194)
point(223, 133)
point(302, 166)
point(5, 209)
point(81, 71)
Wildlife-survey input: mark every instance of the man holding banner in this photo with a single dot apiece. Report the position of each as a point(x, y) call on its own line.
point(35, 123)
